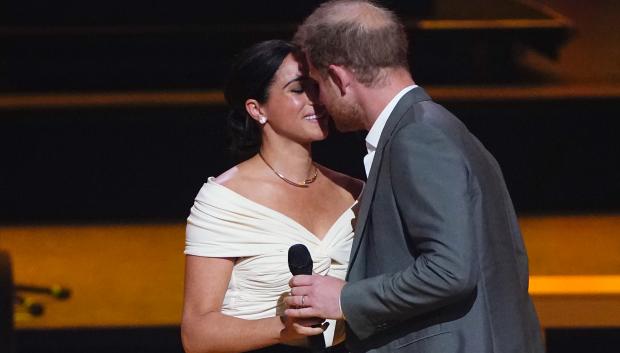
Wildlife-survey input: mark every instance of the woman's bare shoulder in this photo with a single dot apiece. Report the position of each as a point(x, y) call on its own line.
point(242, 178)
point(228, 176)
point(353, 185)
point(234, 176)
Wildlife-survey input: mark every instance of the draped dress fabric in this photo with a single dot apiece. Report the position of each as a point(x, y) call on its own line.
point(223, 223)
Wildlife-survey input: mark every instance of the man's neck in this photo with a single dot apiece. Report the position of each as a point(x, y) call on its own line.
point(374, 99)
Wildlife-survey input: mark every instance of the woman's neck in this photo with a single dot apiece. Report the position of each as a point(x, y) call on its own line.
point(292, 160)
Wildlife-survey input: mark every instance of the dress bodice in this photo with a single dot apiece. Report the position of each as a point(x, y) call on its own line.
point(223, 223)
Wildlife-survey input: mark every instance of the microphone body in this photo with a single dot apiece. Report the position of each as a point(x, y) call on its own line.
point(300, 263)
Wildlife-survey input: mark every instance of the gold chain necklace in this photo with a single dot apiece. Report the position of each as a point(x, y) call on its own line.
point(303, 184)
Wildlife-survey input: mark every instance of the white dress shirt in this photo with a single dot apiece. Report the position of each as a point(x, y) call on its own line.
point(372, 139)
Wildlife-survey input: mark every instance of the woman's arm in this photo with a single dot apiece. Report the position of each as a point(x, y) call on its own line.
point(205, 329)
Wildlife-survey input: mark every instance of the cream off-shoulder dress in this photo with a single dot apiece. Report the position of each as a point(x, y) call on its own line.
point(223, 223)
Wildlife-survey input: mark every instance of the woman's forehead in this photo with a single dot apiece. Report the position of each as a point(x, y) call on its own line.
point(290, 69)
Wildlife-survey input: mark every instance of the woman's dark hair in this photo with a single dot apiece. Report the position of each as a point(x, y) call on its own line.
point(251, 76)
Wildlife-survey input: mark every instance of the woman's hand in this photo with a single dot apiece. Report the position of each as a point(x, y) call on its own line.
point(296, 330)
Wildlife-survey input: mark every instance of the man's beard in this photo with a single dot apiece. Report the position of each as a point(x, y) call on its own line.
point(347, 116)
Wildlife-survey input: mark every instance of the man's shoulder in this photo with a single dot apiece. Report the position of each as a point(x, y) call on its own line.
point(431, 115)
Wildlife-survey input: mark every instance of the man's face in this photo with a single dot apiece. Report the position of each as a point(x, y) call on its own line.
point(344, 111)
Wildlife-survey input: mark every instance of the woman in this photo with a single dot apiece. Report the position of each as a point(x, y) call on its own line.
point(243, 222)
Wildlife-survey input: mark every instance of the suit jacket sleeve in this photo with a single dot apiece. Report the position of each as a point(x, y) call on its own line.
point(431, 186)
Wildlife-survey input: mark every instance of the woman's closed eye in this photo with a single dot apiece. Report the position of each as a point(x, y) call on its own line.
point(297, 90)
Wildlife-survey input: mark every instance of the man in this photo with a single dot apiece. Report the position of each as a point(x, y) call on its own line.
point(438, 263)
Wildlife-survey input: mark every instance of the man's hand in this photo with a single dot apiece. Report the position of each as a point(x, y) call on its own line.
point(314, 296)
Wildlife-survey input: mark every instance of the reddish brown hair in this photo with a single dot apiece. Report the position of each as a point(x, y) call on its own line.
point(357, 34)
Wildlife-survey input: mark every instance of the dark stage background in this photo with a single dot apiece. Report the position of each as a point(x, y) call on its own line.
point(147, 163)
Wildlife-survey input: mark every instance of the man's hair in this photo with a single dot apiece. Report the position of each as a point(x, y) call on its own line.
point(357, 34)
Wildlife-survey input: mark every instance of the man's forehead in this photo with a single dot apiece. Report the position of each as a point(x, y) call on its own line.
point(313, 72)
point(308, 69)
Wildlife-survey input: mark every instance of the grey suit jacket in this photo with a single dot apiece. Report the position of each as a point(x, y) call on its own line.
point(438, 264)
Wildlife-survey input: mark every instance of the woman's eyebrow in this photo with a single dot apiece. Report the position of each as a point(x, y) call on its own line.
point(298, 78)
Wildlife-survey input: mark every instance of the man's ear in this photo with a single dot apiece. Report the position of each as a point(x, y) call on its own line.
point(341, 77)
point(254, 109)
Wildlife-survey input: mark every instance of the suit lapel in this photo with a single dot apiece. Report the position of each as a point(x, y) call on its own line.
point(410, 98)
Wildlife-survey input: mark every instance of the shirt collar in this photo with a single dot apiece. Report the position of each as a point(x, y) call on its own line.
point(372, 139)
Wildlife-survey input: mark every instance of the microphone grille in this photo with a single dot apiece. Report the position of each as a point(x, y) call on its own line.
point(299, 259)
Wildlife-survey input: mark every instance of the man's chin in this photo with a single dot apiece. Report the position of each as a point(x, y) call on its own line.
point(346, 127)
point(347, 119)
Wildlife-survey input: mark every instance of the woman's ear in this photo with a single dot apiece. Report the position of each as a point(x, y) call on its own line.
point(340, 76)
point(254, 109)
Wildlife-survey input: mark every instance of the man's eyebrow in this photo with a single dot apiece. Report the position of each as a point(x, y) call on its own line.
point(298, 78)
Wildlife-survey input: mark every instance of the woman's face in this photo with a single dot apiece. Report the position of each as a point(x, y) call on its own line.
point(292, 108)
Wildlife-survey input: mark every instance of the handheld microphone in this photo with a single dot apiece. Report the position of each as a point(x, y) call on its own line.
point(300, 263)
